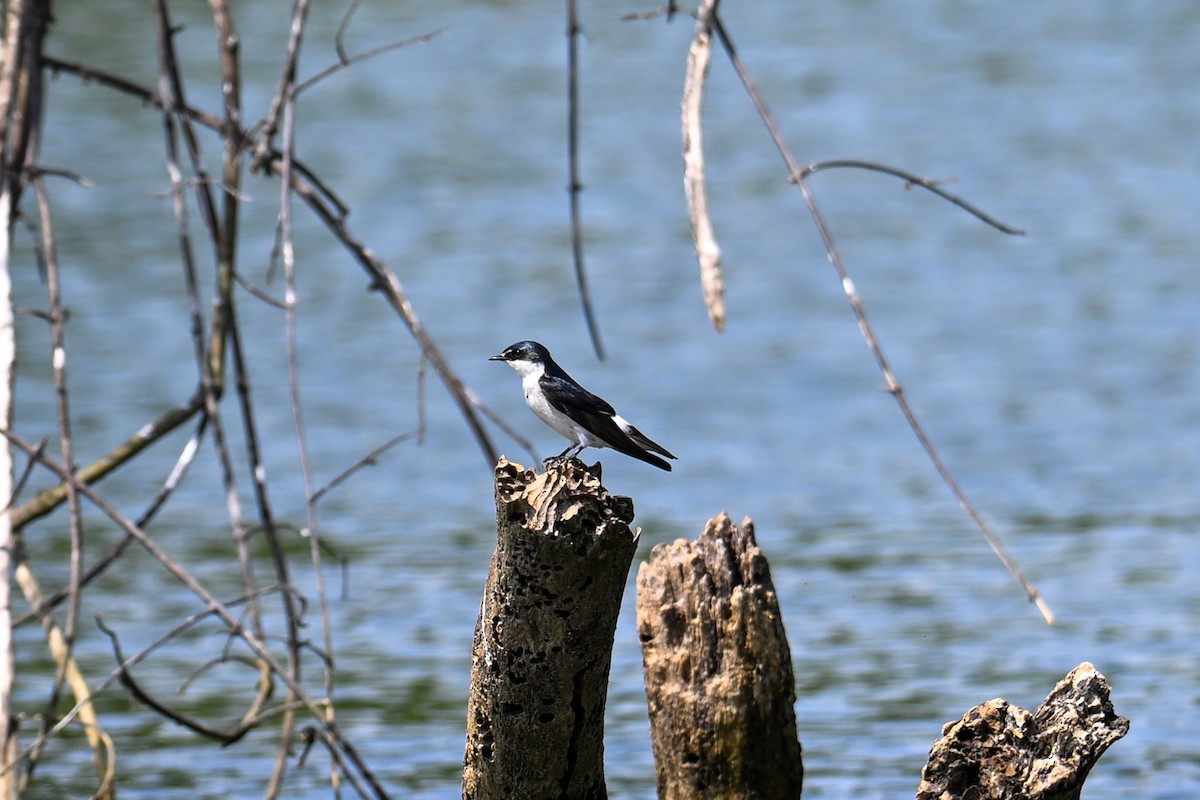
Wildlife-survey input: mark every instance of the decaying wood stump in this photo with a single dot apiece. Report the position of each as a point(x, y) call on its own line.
point(999, 751)
point(718, 670)
point(543, 643)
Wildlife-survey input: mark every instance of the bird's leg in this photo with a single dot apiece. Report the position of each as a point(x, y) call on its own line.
point(558, 458)
point(570, 452)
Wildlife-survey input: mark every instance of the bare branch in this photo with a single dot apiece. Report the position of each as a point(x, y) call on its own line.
point(351, 60)
point(49, 499)
point(146, 699)
point(910, 180)
point(575, 188)
point(369, 460)
point(708, 252)
point(66, 448)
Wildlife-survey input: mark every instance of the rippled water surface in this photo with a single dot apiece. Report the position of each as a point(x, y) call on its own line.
point(1058, 371)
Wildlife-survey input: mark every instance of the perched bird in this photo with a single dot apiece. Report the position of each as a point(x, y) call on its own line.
point(576, 413)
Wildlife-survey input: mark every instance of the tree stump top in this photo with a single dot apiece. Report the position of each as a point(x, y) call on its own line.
point(565, 500)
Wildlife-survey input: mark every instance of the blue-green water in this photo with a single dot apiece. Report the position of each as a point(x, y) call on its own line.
point(1057, 371)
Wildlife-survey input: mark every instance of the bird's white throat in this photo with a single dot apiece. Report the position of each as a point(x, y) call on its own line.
point(529, 370)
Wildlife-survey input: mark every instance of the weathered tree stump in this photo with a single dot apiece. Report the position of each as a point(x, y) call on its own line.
point(543, 643)
point(999, 751)
point(718, 670)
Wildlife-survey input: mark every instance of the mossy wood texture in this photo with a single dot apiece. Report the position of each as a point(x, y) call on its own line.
point(718, 670)
point(543, 643)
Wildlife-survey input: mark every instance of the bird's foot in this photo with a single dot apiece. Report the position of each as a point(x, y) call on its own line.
point(555, 462)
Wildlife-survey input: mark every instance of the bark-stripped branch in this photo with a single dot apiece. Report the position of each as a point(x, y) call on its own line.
point(708, 252)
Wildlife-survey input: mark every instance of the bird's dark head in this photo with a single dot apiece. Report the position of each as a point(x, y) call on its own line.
point(528, 352)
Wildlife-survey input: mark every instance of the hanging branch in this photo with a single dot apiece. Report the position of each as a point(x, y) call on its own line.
point(799, 177)
point(708, 252)
point(226, 332)
point(575, 188)
point(64, 660)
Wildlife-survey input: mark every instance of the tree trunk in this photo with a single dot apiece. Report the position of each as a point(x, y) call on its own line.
point(718, 670)
point(543, 643)
point(999, 751)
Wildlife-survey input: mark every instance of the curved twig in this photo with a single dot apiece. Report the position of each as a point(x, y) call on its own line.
point(369, 460)
point(910, 180)
point(346, 61)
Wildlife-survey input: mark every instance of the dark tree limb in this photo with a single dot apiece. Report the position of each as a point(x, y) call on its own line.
point(999, 751)
point(719, 678)
point(543, 643)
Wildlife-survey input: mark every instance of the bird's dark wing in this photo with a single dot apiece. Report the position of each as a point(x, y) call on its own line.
point(577, 403)
point(595, 414)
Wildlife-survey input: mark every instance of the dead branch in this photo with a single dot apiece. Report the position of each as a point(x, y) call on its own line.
point(708, 252)
point(225, 737)
point(575, 185)
point(50, 499)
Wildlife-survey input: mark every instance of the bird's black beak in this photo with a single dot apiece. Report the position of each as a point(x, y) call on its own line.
point(498, 358)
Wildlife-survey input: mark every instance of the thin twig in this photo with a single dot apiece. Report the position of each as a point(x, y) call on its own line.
point(286, 100)
point(58, 360)
point(385, 281)
point(369, 460)
point(575, 187)
point(345, 61)
point(258, 293)
point(339, 37)
point(910, 179)
point(148, 700)
point(23, 480)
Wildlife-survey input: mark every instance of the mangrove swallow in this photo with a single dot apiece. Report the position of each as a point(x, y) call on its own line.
point(576, 413)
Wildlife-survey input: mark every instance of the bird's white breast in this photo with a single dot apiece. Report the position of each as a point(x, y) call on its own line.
point(546, 412)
